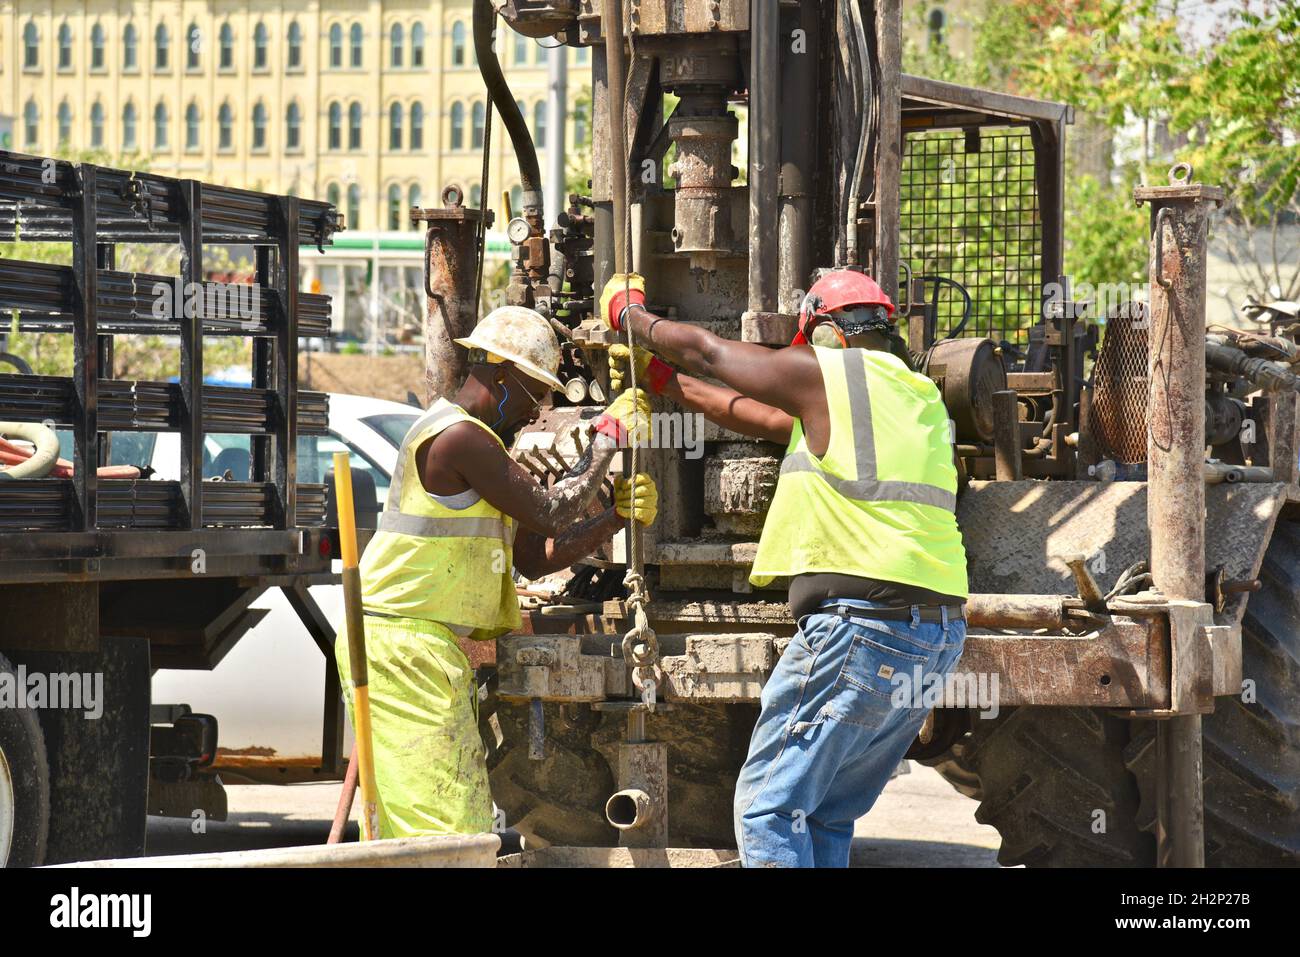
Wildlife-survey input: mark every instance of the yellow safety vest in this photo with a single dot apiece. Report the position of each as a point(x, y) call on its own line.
point(436, 563)
point(880, 502)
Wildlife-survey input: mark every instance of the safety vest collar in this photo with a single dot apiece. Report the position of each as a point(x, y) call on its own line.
point(867, 487)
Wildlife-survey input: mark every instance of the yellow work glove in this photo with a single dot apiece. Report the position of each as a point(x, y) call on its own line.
point(622, 290)
point(637, 498)
point(651, 371)
point(627, 419)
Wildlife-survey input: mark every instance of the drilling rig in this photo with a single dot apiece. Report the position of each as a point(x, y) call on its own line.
point(1118, 499)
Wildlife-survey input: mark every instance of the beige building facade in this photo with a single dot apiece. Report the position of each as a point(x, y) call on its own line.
point(375, 105)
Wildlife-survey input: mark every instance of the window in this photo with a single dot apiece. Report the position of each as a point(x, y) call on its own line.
point(225, 128)
point(128, 127)
point(396, 40)
point(417, 45)
point(581, 56)
point(936, 21)
point(579, 126)
point(354, 126)
point(539, 123)
point(417, 126)
point(394, 207)
point(413, 197)
point(65, 123)
point(31, 123)
point(295, 46)
point(336, 47)
point(193, 46)
point(259, 127)
point(457, 139)
point(226, 41)
point(129, 46)
point(332, 194)
point(161, 47)
point(336, 127)
point(476, 126)
point(65, 47)
point(160, 126)
point(541, 54)
point(31, 47)
point(97, 126)
point(395, 126)
point(457, 44)
point(354, 207)
point(261, 41)
point(97, 47)
point(393, 426)
point(475, 195)
point(516, 199)
point(355, 39)
point(192, 128)
point(521, 49)
point(293, 127)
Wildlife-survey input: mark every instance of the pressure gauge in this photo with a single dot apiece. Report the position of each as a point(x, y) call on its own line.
point(518, 230)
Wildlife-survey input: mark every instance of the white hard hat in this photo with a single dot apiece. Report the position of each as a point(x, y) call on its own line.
point(522, 336)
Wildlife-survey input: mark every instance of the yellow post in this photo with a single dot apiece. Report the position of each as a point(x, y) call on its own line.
point(356, 646)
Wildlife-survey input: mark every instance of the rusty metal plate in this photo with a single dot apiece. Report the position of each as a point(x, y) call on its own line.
point(1016, 532)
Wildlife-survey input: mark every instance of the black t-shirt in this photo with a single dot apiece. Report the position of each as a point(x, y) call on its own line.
point(810, 590)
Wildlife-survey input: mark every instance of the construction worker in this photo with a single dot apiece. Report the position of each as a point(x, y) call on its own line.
point(861, 523)
point(439, 568)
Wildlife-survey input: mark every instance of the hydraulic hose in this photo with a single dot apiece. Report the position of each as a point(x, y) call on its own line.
point(489, 67)
point(42, 461)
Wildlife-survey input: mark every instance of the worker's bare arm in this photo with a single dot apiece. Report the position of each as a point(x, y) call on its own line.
point(788, 379)
point(536, 556)
point(729, 409)
point(505, 484)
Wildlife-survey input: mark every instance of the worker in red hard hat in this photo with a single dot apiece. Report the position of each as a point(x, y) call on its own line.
point(863, 526)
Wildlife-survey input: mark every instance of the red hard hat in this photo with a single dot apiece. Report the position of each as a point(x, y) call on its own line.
point(841, 289)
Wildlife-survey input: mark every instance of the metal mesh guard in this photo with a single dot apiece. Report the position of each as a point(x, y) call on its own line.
point(1120, 386)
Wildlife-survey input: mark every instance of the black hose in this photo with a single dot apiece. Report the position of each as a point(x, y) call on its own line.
point(489, 67)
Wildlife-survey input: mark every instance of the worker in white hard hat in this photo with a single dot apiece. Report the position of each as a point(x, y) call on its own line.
point(460, 515)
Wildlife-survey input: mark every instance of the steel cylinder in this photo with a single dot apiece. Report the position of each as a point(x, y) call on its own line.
point(450, 264)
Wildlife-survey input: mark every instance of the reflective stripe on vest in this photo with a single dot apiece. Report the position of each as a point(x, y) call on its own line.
point(867, 487)
point(441, 527)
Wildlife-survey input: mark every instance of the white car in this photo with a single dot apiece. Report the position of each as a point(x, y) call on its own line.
point(268, 692)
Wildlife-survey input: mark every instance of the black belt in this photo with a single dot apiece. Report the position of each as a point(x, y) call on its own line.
point(929, 613)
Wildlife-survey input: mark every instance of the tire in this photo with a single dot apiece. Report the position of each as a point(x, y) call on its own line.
point(1045, 771)
point(24, 786)
point(561, 799)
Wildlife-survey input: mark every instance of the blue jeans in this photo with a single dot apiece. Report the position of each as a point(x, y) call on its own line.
point(838, 713)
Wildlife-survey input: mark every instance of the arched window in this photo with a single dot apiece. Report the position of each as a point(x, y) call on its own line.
point(413, 197)
point(336, 126)
point(192, 128)
point(97, 47)
point(225, 128)
point(417, 45)
point(457, 44)
point(162, 42)
point(97, 126)
point(293, 127)
point(476, 125)
point(354, 126)
point(31, 123)
point(394, 207)
point(417, 126)
point(31, 47)
point(541, 54)
point(160, 125)
point(539, 124)
point(226, 40)
point(516, 199)
point(457, 139)
point(332, 194)
point(521, 49)
point(129, 46)
point(65, 123)
point(475, 195)
point(395, 126)
point(259, 127)
point(193, 47)
point(295, 46)
point(396, 40)
point(128, 127)
point(65, 47)
point(579, 126)
point(261, 43)
point(354, 207)
point(355, 39)
point(336, 47)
